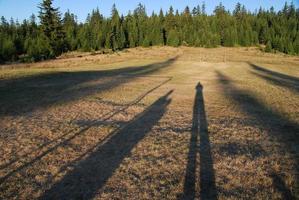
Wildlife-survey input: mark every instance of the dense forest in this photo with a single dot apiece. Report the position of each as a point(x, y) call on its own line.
point(52, 33)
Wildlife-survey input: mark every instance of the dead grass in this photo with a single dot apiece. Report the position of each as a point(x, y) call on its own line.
point(133, 126)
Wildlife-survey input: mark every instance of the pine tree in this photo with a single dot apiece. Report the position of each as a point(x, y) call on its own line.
point(156, 32)
point(132, 31)
point(97, 35)
point(51, 25)
point(162, 26)
point(38, 48)
point(86, 38)
point(117, 34)
point(141, 18)
point(187, 27)
point(70, 29)
point(222, 20)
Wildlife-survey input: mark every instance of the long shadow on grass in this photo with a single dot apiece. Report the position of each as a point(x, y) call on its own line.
point(25, 94)
point(207, 174)
point(276, 78)
point(279, 127)
point(91, 174)
point(280, 185)
point(67, 137)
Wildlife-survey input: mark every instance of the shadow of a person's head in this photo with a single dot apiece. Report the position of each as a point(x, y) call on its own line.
point(199, 86)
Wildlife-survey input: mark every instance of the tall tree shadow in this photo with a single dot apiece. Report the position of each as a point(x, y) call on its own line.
point(25, 94)
point(283, 130)
point(276, 78)
point(67, 137)
point(207, 175)
point(91, 174)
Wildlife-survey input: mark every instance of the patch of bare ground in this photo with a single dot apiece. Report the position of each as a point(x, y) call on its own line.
point(159, 123)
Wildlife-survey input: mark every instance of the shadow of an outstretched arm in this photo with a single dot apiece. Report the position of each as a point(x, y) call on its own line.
point(279, 127)
point(25, 94)
point(90, 174)
point(276, 78)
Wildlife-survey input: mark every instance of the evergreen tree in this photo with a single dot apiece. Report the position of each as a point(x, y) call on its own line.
point(156, 30)
point(132, 31)
point(141, 18)
point(70, 29)
point(96, 28)
point(28, 40)
point(115, 29)
point(116, 35)
point(38, 48)
point(51, 26)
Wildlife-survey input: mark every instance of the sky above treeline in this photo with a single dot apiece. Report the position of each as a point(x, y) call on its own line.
point(22, 9)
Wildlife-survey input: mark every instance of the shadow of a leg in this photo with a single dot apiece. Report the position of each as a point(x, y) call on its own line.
point(190, 177)
point(207, 175)
point(91, 174)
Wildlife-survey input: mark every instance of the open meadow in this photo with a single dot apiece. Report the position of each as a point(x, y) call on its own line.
point(151, 123)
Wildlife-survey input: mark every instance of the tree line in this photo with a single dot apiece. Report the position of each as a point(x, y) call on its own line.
point(55, 34)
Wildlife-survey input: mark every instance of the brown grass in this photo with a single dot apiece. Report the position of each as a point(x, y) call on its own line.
point(134, 125)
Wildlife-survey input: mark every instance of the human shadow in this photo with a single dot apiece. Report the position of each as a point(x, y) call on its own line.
point(91, 173)
point(276, 78)
point(282, 129)
point(200, 133)
point(25, 94)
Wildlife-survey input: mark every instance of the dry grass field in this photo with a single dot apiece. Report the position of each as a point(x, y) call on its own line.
point(157, 123)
